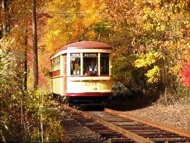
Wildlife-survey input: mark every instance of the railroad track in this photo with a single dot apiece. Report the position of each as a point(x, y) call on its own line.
point(117, 127)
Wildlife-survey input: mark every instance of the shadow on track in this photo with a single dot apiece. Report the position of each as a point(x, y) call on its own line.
point(128, 103)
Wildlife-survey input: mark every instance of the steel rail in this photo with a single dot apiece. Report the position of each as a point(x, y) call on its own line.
point(120, 130)
point(151, 123)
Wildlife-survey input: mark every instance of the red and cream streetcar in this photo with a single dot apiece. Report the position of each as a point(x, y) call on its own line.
point(82, 72)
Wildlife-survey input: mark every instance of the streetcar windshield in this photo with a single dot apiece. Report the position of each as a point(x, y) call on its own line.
point(90, 64)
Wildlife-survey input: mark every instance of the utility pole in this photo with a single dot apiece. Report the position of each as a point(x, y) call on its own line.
point(35, 46)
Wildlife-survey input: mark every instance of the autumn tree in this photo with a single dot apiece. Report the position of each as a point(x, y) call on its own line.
point(72, 21)
point(9, 77)
point(125, 31)
point(20, 112)
point(155, 35)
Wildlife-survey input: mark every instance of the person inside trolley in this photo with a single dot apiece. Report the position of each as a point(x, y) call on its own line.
point(92, 68)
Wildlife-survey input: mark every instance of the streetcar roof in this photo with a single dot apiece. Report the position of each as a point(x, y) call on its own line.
point(84, 45)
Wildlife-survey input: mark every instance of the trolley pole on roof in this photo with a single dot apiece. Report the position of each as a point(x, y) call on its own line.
point(35, 46)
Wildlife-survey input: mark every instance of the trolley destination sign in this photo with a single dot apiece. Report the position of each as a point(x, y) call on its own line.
point(90, 55)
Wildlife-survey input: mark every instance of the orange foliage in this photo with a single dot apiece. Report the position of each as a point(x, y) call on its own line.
point(72, 24)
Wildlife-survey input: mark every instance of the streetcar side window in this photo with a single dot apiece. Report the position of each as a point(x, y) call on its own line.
point(90, 64)
point(75, 64)
point(55, 63)
point(104, 64)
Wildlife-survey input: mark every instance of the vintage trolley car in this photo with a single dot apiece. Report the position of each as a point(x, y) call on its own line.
point(82, 72)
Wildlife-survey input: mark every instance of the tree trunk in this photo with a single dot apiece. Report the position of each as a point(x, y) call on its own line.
point(25, 61)
point(35, 50)
point(6, 23)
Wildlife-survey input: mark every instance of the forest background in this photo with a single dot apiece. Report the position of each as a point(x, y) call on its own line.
point(150, 39)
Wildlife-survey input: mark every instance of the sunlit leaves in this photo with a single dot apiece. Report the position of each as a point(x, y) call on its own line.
point(7, 68)
point(71, 21)
point(37, 111)
point(161, 27)
point(148, 59)
point(153, 75)
point(9, 89)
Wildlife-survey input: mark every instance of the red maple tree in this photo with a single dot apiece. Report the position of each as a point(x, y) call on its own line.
point(185, 74)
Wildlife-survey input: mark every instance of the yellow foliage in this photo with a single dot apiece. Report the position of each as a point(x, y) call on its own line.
point(153, 75)
point(148, 59)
